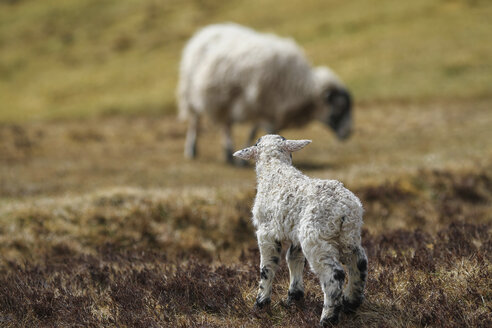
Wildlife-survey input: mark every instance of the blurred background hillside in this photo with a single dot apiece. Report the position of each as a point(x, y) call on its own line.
point(87, 90)
point(81, 58)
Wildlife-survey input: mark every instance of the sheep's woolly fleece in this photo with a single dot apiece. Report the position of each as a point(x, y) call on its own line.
point(224, 59)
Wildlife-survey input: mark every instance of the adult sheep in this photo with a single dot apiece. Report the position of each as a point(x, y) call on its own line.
point(232, 74)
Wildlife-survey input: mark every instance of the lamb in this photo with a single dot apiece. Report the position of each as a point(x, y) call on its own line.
point(320, 218)
point(233, 74)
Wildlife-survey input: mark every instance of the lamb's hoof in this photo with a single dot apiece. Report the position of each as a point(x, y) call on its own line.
point(294, 296)
point(351, 306)
point(329, 321)
point(260, 304)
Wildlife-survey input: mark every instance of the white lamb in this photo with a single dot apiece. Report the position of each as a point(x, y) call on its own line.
point(233, 74)
point(320, 218)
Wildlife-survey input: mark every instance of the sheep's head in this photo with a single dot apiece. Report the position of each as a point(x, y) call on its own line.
point(272, 146)
point(336, 102)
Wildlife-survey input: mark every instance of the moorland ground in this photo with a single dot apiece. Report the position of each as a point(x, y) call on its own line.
point(103, 223)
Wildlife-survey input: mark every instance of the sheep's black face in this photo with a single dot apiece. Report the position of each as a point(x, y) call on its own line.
point(340, 118)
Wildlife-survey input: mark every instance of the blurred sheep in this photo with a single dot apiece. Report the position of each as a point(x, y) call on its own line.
point(233, 74)
point(321, 220)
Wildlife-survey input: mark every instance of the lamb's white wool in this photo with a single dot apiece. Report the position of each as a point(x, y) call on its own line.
point(320, 218)
point(234, 74)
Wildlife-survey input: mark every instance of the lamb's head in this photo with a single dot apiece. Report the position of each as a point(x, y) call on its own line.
point(272, 146)
point(335, 102)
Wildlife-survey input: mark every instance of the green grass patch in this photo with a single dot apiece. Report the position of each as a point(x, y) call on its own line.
point(84, 58)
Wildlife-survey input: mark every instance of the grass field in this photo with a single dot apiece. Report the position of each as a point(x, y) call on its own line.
point(104, 223)
point(83, 58)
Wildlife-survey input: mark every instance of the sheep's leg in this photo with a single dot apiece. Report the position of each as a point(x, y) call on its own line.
point(270, 129)
point(228, 144)
point(323, 259)
point(252, 136)
point(269, 260)
point(295, 260)
point(190, 150)
point(353, 294)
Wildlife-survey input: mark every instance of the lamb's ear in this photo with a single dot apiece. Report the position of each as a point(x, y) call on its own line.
point(295, 145)
point(246, 153)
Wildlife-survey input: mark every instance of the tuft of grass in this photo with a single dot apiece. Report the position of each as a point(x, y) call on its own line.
point(194, 222)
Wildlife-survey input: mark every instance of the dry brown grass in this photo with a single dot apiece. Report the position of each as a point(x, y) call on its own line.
point(140, 259)
point(102, 222)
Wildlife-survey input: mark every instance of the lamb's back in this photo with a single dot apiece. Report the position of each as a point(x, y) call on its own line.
point(331, 199)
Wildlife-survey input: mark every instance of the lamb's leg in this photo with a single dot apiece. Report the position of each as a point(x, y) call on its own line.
point(323, 259)
point(190, 150)
point(269, 260)
point(228, 144)
point(295, 260)
point(353, 295)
